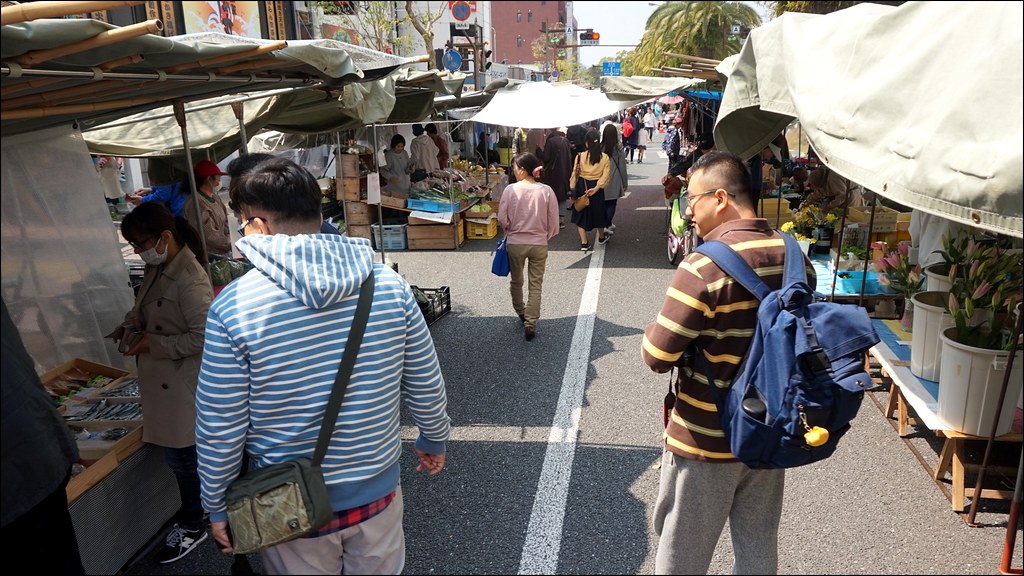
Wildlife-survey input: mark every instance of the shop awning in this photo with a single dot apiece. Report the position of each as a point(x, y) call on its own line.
point(64, 71)
point(921, 103)
point(547, 105)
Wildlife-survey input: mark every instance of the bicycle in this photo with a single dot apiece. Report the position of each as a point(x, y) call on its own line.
point(681, 236)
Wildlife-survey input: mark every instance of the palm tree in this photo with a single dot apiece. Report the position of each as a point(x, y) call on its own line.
point(691, 27)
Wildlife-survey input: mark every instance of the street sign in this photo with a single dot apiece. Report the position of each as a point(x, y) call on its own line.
point(590, 42)
point(554, 74)
point(451, 60)
point(611, 69)
point(462, 25)
point(460, 11)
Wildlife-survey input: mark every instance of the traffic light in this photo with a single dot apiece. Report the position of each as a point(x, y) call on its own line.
point(485, 61)
point(590, 35)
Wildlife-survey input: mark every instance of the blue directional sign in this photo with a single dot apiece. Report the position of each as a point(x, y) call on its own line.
point(452, 60)
point(611, 69)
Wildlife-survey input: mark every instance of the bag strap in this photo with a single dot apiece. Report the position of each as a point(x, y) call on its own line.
point(348, 362)
point(732, 264)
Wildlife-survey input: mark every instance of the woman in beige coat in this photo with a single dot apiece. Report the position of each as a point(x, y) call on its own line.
point(165, 330)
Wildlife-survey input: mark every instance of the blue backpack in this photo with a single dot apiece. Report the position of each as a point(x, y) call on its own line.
point(803, 378)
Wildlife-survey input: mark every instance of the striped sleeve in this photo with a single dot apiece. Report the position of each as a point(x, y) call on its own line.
point(222, 414)
point(423, 388)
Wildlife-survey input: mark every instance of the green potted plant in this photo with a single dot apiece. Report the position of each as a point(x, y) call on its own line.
point(982, 298)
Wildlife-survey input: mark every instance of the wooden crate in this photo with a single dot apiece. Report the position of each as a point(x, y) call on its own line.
point(360, 214)
point(352, 189)
point(51, 378)
point(107, 463)
point(392, 201)
point(358, 230)
point(349, 165)
point(435, 237)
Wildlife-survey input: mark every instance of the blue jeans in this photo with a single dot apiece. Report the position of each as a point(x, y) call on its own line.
point(185, 465)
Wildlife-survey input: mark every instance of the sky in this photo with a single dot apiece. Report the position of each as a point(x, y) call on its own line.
point(618, 23)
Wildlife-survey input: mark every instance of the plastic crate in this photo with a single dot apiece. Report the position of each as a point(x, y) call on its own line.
point(481, 231)
point(394, 236)
point(439, 303)
point(431, 206)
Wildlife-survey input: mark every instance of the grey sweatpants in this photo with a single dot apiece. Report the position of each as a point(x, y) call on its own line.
point(695, 499)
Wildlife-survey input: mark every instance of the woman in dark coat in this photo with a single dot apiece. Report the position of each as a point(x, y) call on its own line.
point(557, 160)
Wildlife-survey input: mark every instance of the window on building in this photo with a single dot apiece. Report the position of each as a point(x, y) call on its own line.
point(519, 41)
point(529, 16)
point(519, 16)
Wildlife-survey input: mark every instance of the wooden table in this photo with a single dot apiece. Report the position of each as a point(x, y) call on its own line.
point(907, 392)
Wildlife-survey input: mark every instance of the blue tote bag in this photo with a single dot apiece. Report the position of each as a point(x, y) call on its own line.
point(500, 265)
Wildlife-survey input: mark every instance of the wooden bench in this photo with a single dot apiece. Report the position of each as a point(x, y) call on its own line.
point(952, 459)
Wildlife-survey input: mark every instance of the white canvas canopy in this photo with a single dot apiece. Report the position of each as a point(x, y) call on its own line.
point(547, 105)
point(921, 103)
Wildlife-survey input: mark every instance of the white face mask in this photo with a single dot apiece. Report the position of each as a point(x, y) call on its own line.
point(153, 258)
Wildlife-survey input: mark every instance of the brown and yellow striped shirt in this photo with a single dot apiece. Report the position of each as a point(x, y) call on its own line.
point(706, 305)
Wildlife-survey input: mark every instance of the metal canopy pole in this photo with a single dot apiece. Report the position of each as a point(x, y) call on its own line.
point(380, 211)
point(179, 115)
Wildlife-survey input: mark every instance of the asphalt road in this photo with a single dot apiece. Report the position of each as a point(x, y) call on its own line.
point(521, 493)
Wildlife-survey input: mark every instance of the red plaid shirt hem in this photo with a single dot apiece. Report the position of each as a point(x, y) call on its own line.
point(352, 516)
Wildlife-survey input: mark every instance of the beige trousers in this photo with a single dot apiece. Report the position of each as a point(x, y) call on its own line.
point(376, 546)
point(534, 257)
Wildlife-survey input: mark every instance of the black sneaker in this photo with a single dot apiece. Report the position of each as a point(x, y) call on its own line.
point(179, 542)
point(585, 247)
point(604, 239)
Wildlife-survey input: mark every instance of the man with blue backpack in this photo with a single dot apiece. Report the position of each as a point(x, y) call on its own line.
point(759, 373)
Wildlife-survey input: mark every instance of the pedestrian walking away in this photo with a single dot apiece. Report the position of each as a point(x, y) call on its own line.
point(558, 161)
point(702, 484)
point(528, 213)
point(618, 180)
point(589, 177)
point(275, 338)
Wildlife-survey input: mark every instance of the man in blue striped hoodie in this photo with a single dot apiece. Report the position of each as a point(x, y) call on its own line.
point(274, 340)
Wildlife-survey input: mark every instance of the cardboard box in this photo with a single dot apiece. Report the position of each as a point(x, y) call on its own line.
point(413, 221)
point(435, 237)
point(473, 213)
point(885, 218)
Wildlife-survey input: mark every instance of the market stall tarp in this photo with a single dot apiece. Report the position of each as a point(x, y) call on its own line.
point(547, 105)
point(643, 88)
point(921, 103)
point(92, 85)
point(403, 96)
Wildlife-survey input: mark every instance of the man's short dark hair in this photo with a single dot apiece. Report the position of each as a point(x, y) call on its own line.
point(727, 171)
point(431, 128)
point(278, 189)
point(246, 162)
point(417, 129)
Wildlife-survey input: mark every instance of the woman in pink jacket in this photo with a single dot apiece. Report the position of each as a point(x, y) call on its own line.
point(528, 212)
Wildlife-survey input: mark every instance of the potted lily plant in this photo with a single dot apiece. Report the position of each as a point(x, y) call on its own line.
point(896, 272)
point(985, 288)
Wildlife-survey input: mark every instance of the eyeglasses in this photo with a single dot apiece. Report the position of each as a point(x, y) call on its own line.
point(249, 220)
point(140, 245)
point(691, 197)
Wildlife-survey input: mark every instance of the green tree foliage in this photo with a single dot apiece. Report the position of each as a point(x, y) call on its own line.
point(814, 7)
point(690, 27)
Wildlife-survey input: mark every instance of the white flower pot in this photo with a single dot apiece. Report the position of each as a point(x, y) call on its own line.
point(805, 245)
point(969, 382)
point(930, 319)
point(937, 282)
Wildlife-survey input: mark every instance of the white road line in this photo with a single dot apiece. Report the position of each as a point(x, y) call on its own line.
point(544, 533)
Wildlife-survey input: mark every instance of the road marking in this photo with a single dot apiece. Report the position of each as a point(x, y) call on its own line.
point(544, 533)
